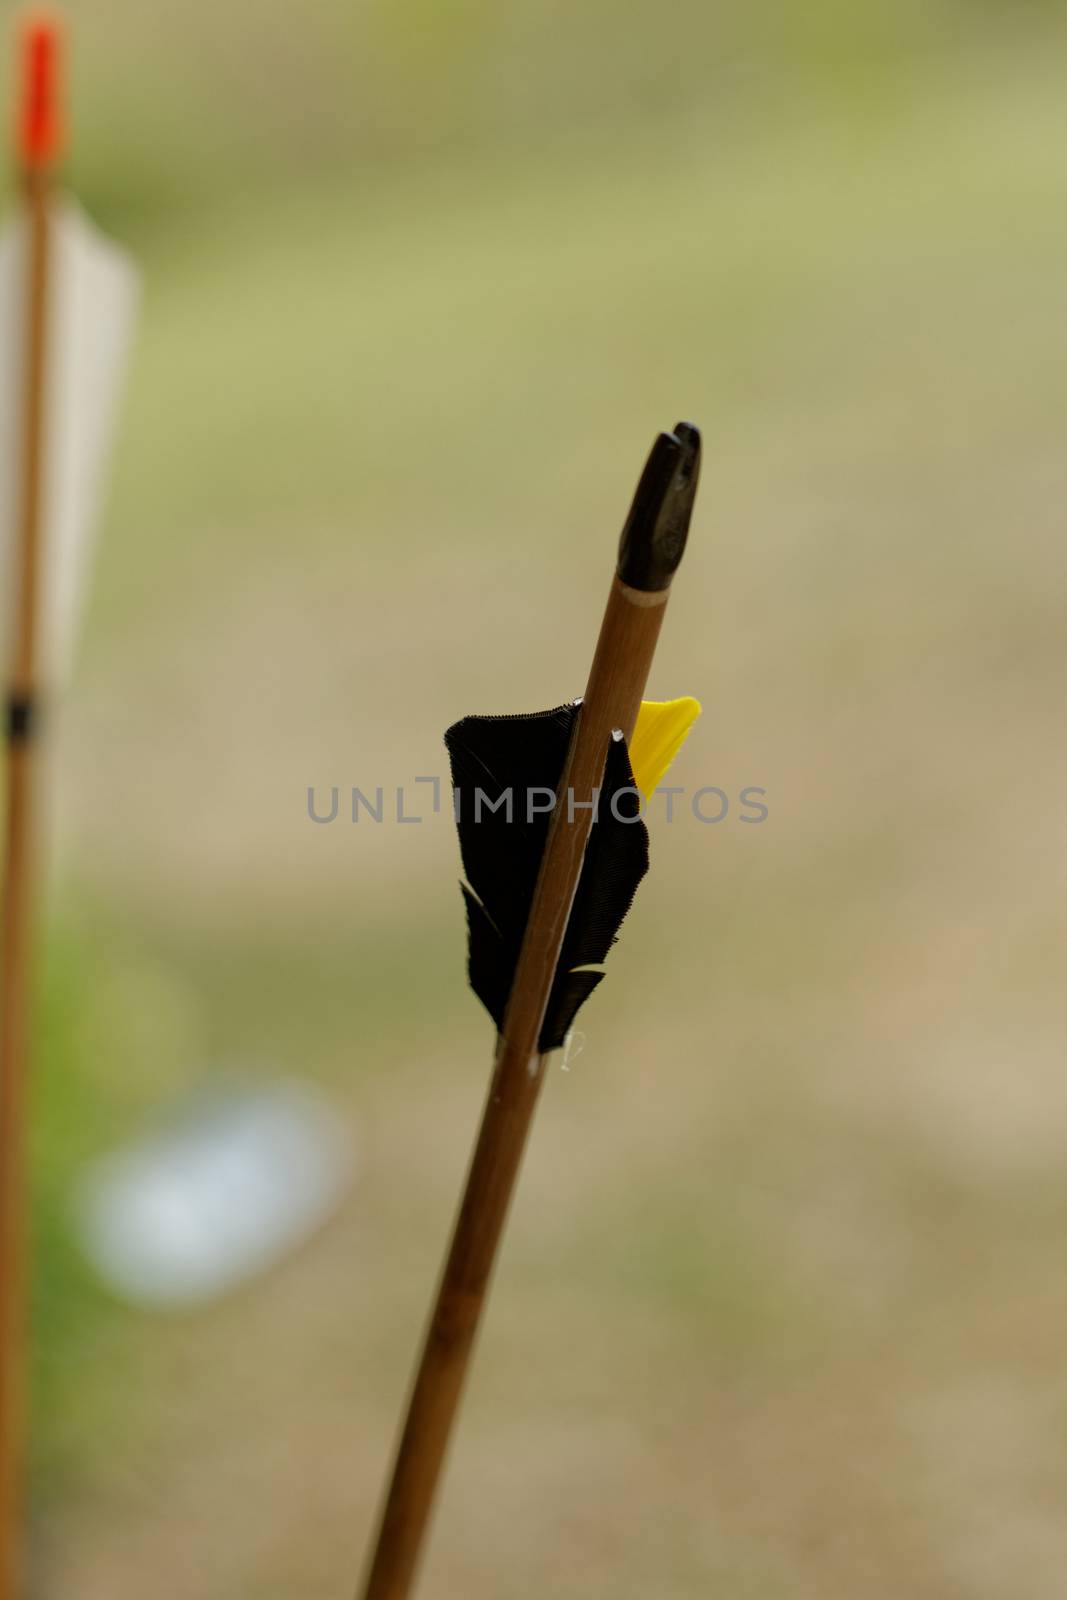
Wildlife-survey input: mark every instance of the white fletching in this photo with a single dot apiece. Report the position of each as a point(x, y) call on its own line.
point(92, 296)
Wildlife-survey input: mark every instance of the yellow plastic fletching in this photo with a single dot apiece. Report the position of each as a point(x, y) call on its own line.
point(662, 729)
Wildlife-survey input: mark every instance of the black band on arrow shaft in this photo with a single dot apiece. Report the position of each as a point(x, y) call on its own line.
point(22, 718)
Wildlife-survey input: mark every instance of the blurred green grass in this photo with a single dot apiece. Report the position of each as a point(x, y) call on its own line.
point(417, 294)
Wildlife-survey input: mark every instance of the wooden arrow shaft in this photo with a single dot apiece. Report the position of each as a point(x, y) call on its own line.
point(617, 680)
point(16, 929)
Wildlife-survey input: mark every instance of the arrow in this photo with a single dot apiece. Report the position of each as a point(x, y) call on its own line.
point(545, 894)
point(66, 304)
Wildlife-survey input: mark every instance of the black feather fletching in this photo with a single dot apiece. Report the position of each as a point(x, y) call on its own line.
point(523, 757)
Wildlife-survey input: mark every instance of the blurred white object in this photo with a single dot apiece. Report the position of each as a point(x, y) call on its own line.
point(198, 1210)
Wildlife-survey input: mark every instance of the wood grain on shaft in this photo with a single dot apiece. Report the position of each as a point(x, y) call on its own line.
point(17, 926)
point(616, 684)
